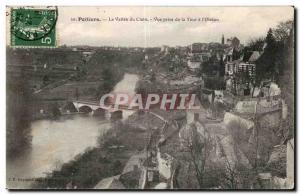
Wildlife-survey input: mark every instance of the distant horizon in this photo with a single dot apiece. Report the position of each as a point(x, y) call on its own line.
point(244, 43)
point(246, 23)
point(140, 46)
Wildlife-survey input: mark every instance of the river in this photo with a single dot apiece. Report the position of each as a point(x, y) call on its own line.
point(55, 142)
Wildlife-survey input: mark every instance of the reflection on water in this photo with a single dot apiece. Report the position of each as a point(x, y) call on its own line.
point(127, 85)
point(56, 142)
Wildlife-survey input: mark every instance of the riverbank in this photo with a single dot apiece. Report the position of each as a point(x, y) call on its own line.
point(67, 141)
point(107, 159)
point(55, 142)
point(115, 147)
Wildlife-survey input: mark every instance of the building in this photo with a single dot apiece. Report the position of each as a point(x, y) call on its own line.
point(193, 64)
point(195, 48)
point(281, 164)
point(240, 71)
point(246, 107)
point(164, 49)
point(241, 64)
point(165, 164)
point(233, 42)
point(196, 59)
point(198, 48)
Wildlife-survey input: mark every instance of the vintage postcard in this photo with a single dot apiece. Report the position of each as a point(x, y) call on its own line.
point(150, 98)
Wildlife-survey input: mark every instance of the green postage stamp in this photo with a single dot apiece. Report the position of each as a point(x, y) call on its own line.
point(33, 27)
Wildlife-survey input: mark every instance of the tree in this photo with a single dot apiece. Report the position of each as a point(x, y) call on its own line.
point(238, 172)
point(210, 66)
point(273, 60)
point(283, 30)
point(46, 80)
point(54, 110)
point(108, 81)
point(255, 44)
point(18, 118)
point(286, 80)
point(270, 39)
point(266, 64)
point(222, 67)
point(238, 132)
point(198, 148)
point(235, 175)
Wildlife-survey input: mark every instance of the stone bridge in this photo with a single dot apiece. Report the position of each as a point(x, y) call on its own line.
point(94, 108)
point(83, 106)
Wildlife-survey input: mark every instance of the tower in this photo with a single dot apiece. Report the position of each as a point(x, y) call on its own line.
point(223, 39)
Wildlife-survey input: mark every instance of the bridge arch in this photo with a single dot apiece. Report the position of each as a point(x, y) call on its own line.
point(116, 115)
point(69, 106)
point(85, 109)
point(99, 112)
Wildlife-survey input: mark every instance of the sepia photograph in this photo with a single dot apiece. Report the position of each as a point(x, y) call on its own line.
point(149, 98)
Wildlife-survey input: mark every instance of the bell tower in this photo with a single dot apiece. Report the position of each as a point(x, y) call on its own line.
point(223, 40)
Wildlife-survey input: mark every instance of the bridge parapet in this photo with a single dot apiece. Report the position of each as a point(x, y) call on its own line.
point(96, 105)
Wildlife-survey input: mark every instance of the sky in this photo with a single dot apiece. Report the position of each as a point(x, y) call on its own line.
point(243, 22)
